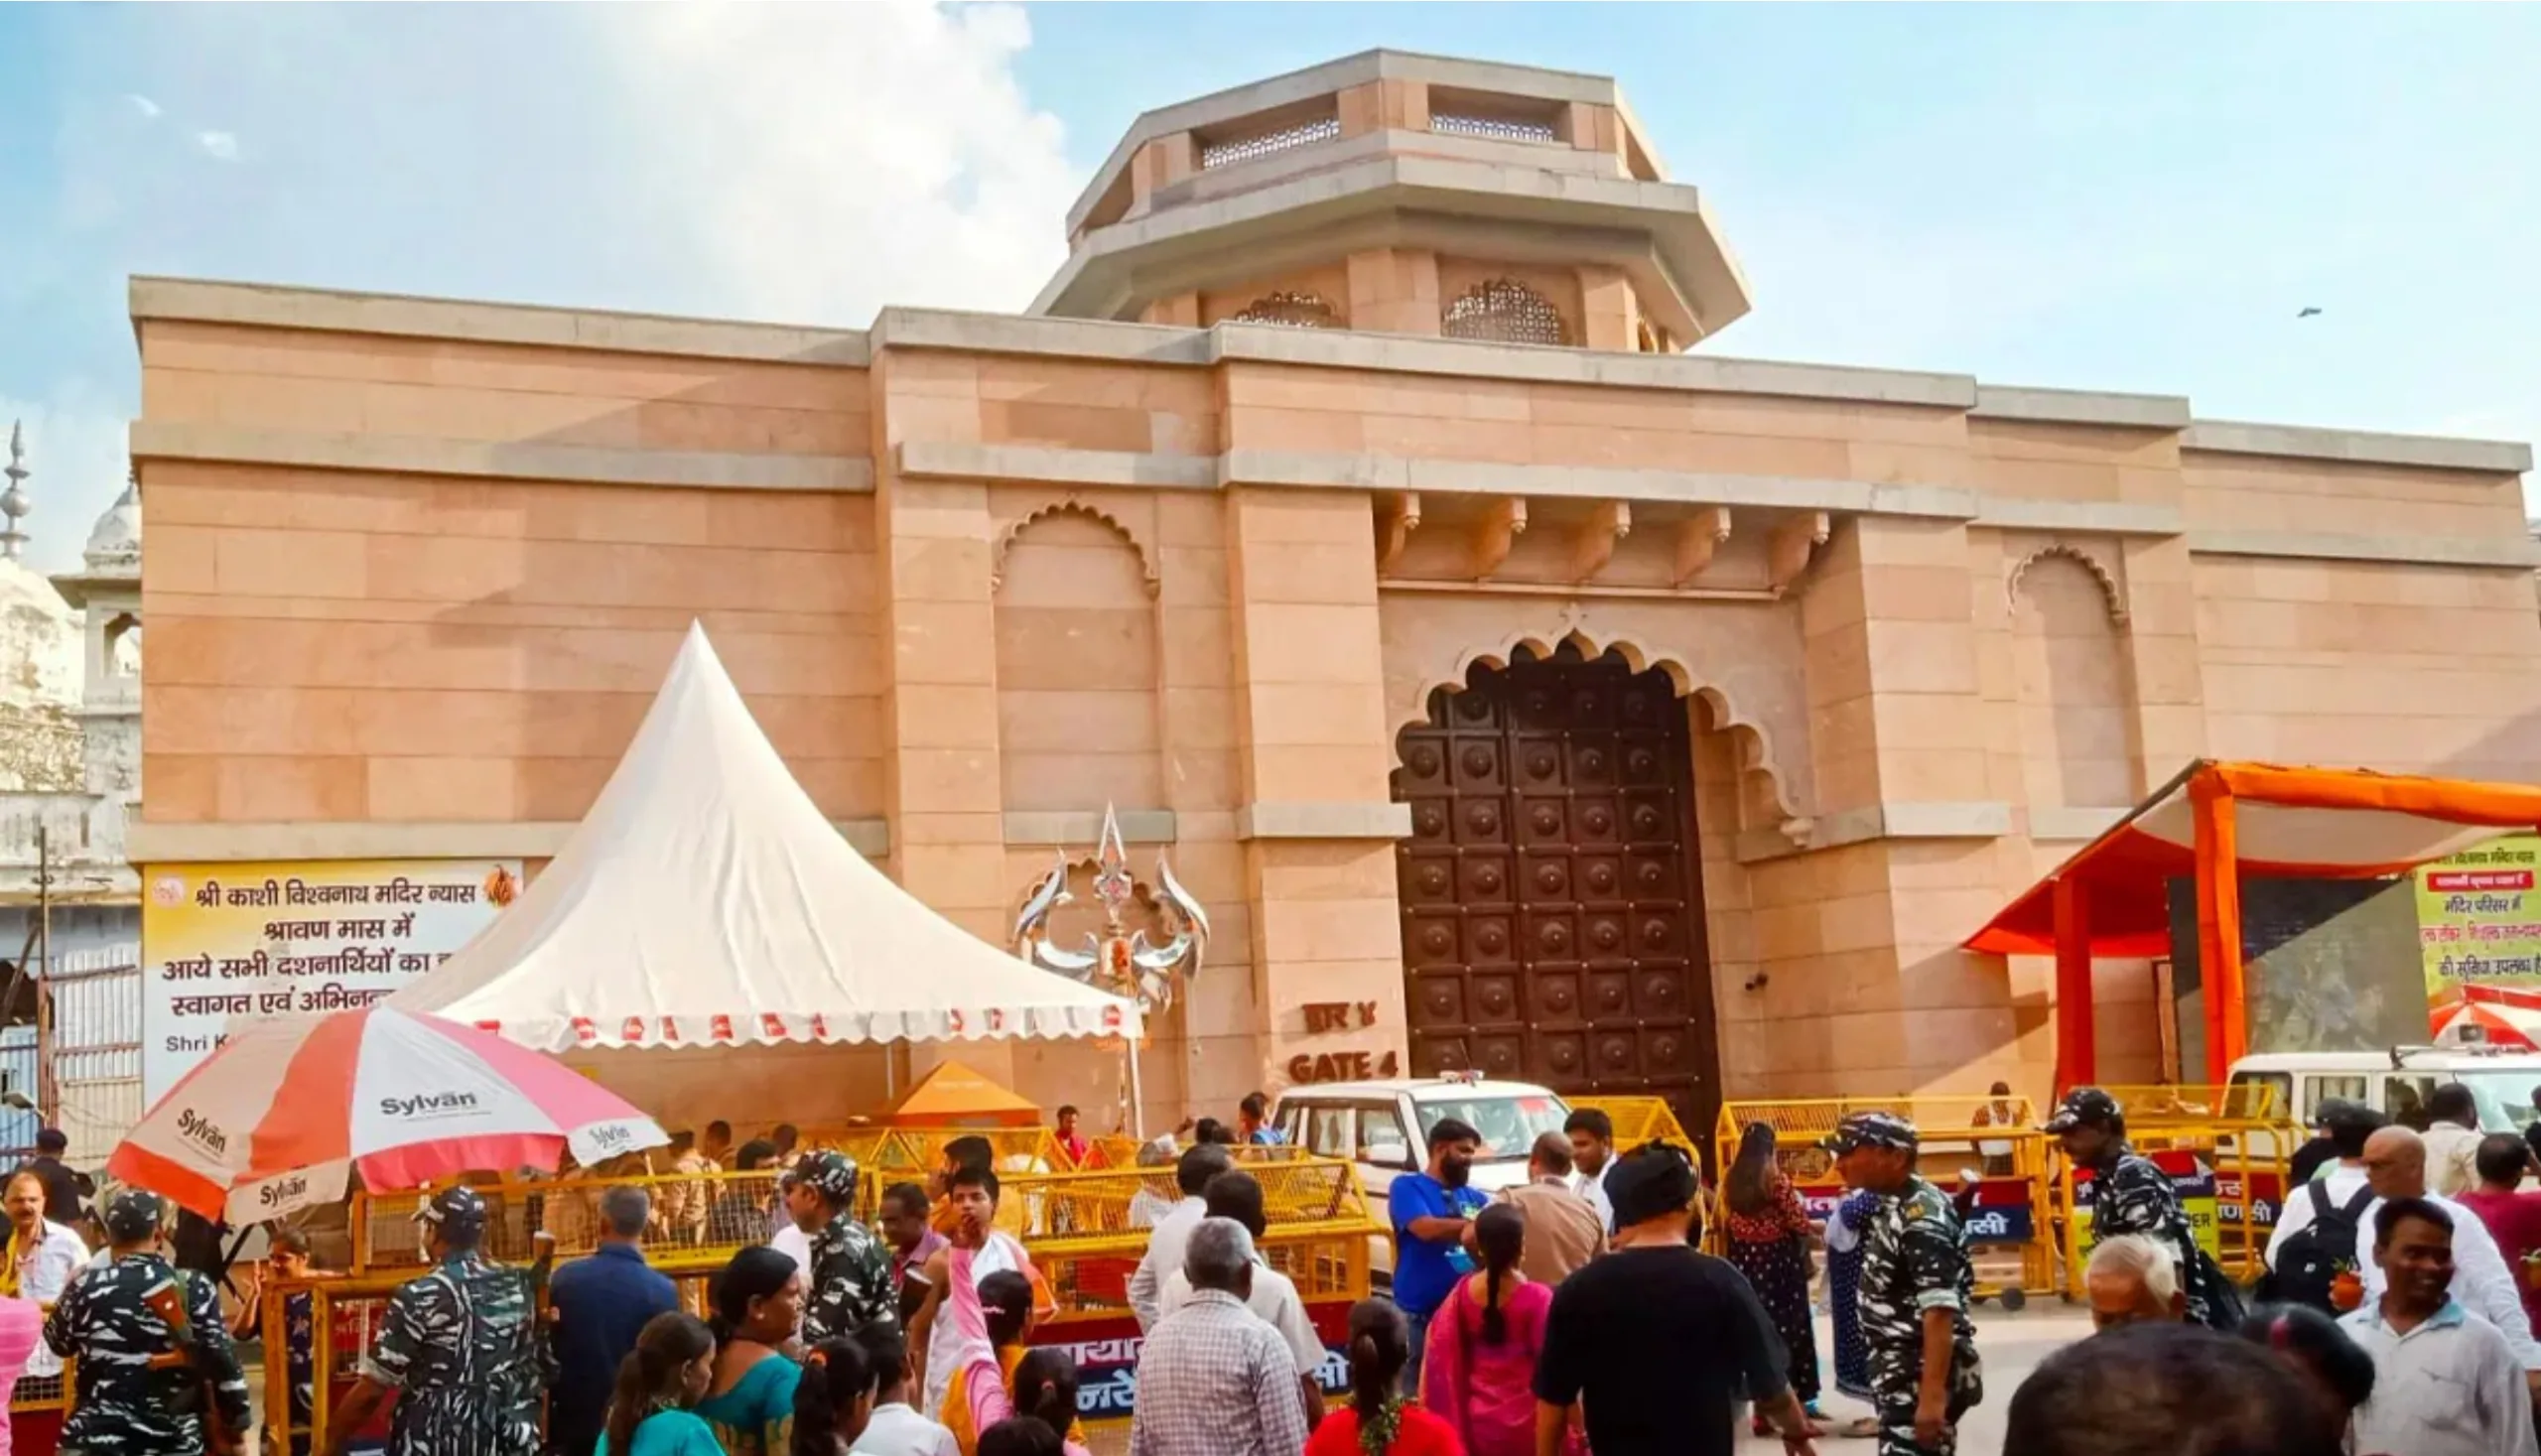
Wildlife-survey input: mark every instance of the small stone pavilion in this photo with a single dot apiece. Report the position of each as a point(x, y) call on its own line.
point(1368, 510)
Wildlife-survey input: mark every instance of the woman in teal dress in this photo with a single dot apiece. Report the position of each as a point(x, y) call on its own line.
point(657, 1382)
point(758, 1302)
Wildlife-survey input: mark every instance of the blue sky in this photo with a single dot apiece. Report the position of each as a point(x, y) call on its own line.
point(2121, 197)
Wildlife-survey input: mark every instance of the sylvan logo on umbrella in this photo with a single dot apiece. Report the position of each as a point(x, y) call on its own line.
point(283, 1190)
point(429, 1105)
point(202, 1132)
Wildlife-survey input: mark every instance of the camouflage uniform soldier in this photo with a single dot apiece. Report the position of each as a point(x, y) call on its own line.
point(149, 1342)
point(2130, 1194)
point(1915, 1288)
point(455, 1347)
point(850, 1280)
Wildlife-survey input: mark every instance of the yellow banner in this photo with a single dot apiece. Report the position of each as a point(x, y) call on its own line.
point(2480, 919)
point(223, 944)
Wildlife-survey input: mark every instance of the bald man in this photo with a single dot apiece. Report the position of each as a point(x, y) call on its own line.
point(2395, 1166)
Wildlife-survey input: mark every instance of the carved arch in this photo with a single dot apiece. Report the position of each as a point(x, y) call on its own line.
point(1789, 780)
point(2099, 573)
point(1072, 506)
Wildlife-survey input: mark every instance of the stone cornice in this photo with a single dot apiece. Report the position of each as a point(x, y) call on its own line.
point(332, 311)
point(1320, 819)
point(2359, 447)
point(1979, 818)
point(501, 460)
point(150, 843)
point(337, 310)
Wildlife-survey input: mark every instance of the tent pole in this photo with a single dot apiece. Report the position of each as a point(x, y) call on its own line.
point(1138, 1097)
point(2077, 1018)
point(2221, 974)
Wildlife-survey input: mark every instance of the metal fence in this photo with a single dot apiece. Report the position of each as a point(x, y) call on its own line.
point(97, 1046)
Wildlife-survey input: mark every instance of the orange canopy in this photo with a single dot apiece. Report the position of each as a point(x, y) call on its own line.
point(954, 1095)
point(2215, 822)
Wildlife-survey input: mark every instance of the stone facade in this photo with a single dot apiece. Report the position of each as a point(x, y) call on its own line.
point(1261, 476)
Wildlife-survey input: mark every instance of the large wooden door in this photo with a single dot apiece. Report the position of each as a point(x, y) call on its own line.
point(1553, 926)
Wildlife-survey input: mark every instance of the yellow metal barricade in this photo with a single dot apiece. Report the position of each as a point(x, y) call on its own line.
point(1637, 1120)
point(2227, 1149)
point(1085, 1231)
point(344, 1319)
point(704, 1214)
point(1958, 1136)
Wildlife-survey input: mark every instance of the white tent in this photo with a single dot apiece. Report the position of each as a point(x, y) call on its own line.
point(705, 900)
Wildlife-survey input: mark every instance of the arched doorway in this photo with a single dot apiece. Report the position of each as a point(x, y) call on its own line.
point(1551, 890)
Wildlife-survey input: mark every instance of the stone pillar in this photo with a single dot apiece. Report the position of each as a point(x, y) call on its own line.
point(1178, 310)
point(1159, 164)
point(1314, 755)
point(1609, 312)
point(1383, 106)
point(942, 781)
point(1395, 291)
point(2161, 649)
point(1589, 127)
point(1905, 803)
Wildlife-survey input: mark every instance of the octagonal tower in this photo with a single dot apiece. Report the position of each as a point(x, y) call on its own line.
point(1402, 193)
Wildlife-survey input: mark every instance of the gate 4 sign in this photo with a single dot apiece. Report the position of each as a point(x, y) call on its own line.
point(1349, 1066)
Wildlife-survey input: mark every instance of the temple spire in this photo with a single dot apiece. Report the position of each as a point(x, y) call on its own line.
point(13, 501)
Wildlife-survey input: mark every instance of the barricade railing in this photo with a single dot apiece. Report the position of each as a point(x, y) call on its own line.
point(1085, 1231)
point(1637, 1120)
point(2227, 1151)
point(1996, 1139)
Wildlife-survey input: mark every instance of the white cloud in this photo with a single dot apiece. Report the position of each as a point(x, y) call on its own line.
point(806, 163)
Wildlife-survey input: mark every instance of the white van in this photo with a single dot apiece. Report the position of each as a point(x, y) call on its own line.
point(1384, 1128)
point(2398, 1082)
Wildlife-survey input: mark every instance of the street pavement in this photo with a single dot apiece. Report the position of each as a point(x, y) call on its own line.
point(2011, 1345)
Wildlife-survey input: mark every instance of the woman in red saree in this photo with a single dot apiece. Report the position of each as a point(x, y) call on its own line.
point(1479, 1373)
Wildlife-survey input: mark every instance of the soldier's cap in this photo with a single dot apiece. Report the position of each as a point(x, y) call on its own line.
point(135, 1213)
point(456, 1209)
point(2084, 1106)
point(832, 1173)
point(1871, 1129)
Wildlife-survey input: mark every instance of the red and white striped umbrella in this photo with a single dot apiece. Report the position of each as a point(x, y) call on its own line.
point(2486, 1023)
point(273, 1120)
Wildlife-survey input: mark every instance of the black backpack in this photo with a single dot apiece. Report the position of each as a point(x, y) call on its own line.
point(2312, 1257)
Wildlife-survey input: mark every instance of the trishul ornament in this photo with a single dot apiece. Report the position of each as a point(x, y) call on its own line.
point(1116, 958)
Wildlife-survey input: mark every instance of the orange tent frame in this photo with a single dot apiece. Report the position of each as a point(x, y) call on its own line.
point(2111, 896)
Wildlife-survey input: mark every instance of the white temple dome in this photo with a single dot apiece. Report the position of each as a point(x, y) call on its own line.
point(115, 541)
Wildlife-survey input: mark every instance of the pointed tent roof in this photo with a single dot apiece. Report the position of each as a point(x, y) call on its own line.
point(705, 899)
point(955, 1096)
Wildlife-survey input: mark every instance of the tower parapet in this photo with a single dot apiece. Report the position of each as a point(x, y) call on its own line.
point(1402, 193)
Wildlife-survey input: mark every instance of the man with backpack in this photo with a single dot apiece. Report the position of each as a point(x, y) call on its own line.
point(2315, 1255)
point(2130, 1194)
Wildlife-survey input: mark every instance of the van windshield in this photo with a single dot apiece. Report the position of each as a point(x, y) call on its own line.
point(1508, 1125)
point(2504, 1098)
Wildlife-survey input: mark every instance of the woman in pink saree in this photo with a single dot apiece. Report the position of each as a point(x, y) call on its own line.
point(1478, 1373)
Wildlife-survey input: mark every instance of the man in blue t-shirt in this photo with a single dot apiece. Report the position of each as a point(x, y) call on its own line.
point(1432, 1215)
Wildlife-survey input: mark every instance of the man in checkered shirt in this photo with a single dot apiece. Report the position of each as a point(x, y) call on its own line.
point(1214, 1379)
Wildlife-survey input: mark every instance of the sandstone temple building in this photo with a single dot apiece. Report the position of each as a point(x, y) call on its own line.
point(1367, 510)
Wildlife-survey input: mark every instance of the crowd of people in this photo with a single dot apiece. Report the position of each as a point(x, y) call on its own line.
point(1570, 1313)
